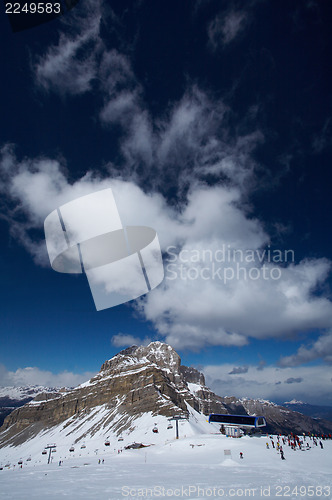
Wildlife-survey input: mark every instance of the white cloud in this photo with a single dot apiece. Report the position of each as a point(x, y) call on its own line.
point(323, 139)
point(198, 312)
point(190, 140)
point(125, 340)
point(187, 312)
point(70, 66)
point(320, 349)
point(293, 380)
point(190, 143)
point(311, 384)
point(35, 376)
point(226, 27)
point(238, 369)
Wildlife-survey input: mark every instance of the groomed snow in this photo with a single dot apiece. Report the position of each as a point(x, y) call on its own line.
point(195, 466)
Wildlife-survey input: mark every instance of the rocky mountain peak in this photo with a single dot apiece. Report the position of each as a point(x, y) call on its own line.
point(156, 354)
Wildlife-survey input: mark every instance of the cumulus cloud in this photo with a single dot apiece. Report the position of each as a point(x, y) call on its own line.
point(293, 380)
point(35, 376)
point(226, 27)
point(273, 385)
point(238, 369)
point(220, 313)
point(194, 306)
point(320, 349)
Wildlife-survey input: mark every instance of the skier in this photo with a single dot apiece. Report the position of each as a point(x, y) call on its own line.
point(267, 445)
point(241, 454)
point(321, 444)
point(282, 455)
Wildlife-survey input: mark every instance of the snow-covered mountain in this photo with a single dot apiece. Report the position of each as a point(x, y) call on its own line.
point(24, 392)
point(14, 397)
point(138, 390)
point(314, 411)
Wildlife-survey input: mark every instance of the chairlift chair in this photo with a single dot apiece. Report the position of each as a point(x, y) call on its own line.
point(155, 429)
point(72, 448)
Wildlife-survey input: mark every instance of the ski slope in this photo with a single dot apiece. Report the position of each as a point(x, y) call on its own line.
point(194, 466)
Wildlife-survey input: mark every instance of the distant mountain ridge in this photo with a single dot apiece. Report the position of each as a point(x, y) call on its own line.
point(137, 382)
point(314, 411)
point(14, 397)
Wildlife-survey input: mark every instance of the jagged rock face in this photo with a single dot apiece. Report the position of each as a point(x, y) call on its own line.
point(191, 375)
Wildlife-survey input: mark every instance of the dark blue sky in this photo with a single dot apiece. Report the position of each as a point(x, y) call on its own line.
point(184, 104)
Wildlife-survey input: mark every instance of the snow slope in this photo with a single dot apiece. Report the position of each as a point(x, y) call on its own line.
point(195, 466)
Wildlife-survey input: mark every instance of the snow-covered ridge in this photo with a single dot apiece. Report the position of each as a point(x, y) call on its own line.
point(294, 402)
point(24, 392)
point(259, 400)
point(157, 352)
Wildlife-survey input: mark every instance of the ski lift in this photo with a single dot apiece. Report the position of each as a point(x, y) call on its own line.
point(170, 426)
point(29, 459)
point(54, 450)
point(44, 452)
point(107, 442)
point(20, 462)
point(72, 448)
point(155, 429)
point(120, 438)
point(83, 446)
